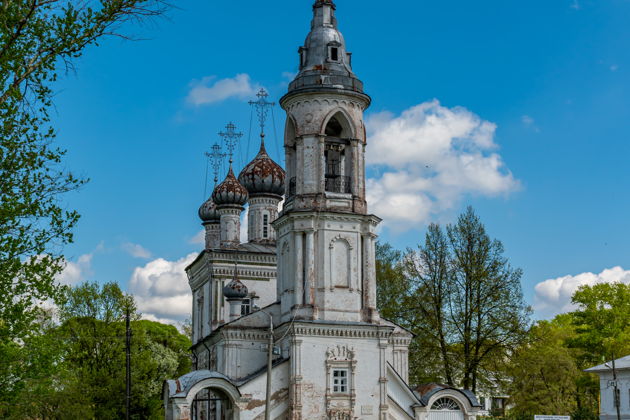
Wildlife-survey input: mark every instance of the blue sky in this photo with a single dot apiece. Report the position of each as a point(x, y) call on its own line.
point(536, 93)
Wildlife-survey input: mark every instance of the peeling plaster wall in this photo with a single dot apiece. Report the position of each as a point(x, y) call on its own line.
point(253, 401)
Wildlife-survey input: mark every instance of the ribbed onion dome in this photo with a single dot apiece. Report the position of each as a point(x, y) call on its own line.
point(235, 289)
point(230, 191)
point(262, 175)
point(208, 212)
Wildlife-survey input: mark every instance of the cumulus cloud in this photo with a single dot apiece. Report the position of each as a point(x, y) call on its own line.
point(77, 271)
point(161, 289)
point(553, 296)
point(427, 159)
point(135, 250)
point(209, 90)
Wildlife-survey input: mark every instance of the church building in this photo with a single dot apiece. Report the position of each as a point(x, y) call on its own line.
point(285, 325)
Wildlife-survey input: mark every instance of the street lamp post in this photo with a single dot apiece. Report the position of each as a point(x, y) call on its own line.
point(616, 389)
point(269, 364)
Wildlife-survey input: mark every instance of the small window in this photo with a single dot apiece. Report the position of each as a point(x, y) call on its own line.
point(340, 381)
point(266, 226)
point(334, 54)
point(445, 404)
point(246, 306)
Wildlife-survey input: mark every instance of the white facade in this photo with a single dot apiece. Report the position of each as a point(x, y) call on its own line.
point(607, 407)
point(314, 275)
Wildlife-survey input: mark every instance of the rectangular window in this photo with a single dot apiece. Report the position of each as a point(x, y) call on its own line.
point(340, 381)
point(246, 307)
point(265, 226)
point(334, 54)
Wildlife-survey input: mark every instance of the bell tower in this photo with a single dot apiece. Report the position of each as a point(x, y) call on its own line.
point(326, 238)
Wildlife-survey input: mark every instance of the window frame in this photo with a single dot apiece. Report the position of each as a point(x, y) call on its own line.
point(340, 381)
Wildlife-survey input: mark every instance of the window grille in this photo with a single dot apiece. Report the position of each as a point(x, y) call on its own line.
point(445, 404)
point(340, 381)
point(265, 226)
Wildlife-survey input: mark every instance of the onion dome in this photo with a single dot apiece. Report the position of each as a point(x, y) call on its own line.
point(262, 175)
point(208, 212)
point(235, 289)
point(230, 191)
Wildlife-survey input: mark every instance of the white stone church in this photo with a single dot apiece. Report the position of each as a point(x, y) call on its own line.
point(306, 276)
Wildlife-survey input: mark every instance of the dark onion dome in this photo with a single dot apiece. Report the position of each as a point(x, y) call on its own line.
point(230, 191)
point(235, 290)
point(262, 175)
point(208, 212)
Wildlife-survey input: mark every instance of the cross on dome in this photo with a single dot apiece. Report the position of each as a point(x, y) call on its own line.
point(216, 157)
point(262, 107)
point(230, 137)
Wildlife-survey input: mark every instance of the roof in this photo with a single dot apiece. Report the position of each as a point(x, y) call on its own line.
point(426, 391)
point(184, 384)
point(623, 363)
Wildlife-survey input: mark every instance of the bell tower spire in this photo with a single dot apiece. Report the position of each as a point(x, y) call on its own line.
point(326, 238)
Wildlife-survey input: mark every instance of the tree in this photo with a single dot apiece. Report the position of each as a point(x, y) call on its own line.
point(461, 298)
point(38, 40)
point(391, 283)
point(486, 303)
point(544, 372)
point(428, 271)
point(602, 321)
point(80, 363)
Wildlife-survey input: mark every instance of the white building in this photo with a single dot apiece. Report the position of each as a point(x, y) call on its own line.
point(607, 407)
point(311, 268)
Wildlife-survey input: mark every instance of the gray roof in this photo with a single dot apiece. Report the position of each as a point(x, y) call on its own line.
point(317, 69)
point(622, 363)
point(183, 385)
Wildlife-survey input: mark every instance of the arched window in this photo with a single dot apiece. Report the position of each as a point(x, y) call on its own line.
point(445, 404)
point(334, 127)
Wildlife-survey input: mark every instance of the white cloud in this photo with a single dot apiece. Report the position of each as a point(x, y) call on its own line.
point(199, 238)
point(161, 289)
point(77, 271)
point(135, 250)
point(427, 159)
point(576, 5)
point(529, 122)
point(244, 225)
point(614, 67)
point(209, 90)
point(553, 296)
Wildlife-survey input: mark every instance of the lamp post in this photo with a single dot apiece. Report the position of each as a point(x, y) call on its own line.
point(617, 402)
point(269, 363)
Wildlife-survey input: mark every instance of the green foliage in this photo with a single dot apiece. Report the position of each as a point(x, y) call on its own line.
point(544, 371)
point(602, 321)
point(391, 283)
point(458, 293)
point(78, 367)
point(38, 40)
point(547, 372)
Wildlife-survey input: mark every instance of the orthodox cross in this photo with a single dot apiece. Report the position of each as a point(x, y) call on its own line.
point(230, 137)
point(216, 157)
point(262, 109)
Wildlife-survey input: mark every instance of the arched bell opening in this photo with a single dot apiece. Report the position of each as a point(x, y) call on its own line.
point(212, 404)
point(338, 154)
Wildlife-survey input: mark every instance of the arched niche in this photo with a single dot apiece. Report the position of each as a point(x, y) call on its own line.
point(340, 263)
